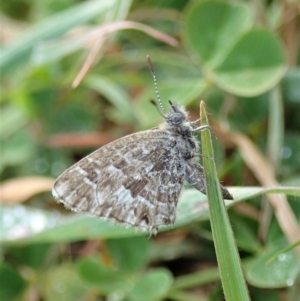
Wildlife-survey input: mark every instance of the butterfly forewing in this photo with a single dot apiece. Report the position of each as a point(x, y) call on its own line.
point(134, 180)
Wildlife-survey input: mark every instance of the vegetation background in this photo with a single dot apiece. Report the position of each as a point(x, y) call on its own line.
point(241, 57)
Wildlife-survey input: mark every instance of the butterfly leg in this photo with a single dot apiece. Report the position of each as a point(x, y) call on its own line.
point(194, 175)
point(201, 128)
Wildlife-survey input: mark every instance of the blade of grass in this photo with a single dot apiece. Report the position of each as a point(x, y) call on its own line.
point(276, 127)
point(196, 279)
point(231, 274)
point(19, 51)
point(284, 250)
point(178, 295)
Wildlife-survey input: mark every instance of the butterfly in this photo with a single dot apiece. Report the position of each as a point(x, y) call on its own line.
point(137, 179)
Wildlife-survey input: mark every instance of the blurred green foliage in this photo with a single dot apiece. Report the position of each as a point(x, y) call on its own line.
point(241, 57)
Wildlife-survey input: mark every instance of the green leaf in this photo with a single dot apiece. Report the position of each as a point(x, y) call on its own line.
point(104, 279)
point(192, 206)
point(238, 59)
point(154, 285)
point(281, 272)
point(290, 85)
point(130, 253)
point(12, 284)
point(84, 227)
point(253, 66)
point(246, 238)
point(212, 28)
point(32, 255)
point(291, 149)
point(17, 150)
point(13, 119)
point(114, 94)
point(61, 283)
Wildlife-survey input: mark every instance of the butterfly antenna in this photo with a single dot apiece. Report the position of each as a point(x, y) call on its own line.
point(155, 82)
point(155, 104)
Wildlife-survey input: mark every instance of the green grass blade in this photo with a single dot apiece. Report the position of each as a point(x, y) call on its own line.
point(19, 51)
point(276, 127)
point(227, 255)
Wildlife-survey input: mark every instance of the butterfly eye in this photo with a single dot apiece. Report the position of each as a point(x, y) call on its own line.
point(176, 118)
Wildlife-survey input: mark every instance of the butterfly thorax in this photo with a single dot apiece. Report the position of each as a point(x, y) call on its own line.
point(177, 123)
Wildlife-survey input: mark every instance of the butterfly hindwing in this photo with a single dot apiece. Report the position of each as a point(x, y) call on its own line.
point(135, 180)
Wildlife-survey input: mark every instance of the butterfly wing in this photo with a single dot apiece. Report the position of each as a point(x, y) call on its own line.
point(134, 180)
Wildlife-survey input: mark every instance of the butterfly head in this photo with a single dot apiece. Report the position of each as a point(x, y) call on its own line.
point(178, 118)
